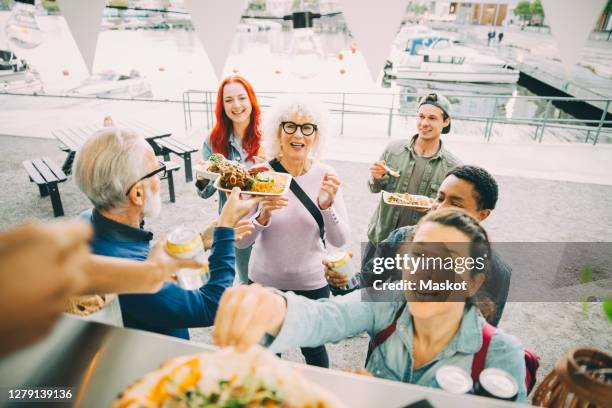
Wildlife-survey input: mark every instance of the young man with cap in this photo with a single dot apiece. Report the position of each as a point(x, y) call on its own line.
point(422, 163)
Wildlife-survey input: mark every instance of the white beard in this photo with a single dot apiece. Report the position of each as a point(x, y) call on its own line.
point(152, 205)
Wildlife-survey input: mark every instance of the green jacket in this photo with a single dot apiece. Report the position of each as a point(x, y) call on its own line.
point(401, 155)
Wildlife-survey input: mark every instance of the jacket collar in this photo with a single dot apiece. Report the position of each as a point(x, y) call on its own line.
point(236, 146)
point(115, 231)
point(234, 142)
point(410, 146)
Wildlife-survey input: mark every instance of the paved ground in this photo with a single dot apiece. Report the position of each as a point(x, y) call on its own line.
point(529, 210)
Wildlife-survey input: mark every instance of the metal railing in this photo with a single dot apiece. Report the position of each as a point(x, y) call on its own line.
point(541, 112)
point(491, 110)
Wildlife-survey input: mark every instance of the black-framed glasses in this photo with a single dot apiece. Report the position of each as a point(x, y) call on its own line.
point(161, 169)
point(307, 129)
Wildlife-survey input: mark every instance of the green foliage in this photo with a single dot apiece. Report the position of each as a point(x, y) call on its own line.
point(305, 5)
point(523, 9)
point(419, 9)
point(119, 3)
point(607, 307)
point(257, 5)
point(586, 274)
point(6, 4)
point(536, 8)
point(51, 6)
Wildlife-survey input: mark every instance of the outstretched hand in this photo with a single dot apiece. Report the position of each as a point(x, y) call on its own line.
point(236, 208)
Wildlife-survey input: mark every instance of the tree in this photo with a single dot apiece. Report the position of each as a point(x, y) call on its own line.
point(257, 5)
point(537, 9)
point(6, 4)
point(523, 10)
point(305, 5)
point(51, 6)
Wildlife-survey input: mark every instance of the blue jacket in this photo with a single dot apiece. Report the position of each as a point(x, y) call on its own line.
point(172, 309)
point(310, 323)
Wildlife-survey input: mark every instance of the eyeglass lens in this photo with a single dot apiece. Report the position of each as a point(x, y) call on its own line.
point(291, 127)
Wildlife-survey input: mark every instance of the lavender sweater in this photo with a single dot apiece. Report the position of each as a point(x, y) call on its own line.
point(287, 252)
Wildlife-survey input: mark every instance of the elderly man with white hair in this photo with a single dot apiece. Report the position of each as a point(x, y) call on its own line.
point(119, 173)
point(290, 232)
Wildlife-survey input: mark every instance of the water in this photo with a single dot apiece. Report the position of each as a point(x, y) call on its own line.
point(174, 60)
point(494, 99)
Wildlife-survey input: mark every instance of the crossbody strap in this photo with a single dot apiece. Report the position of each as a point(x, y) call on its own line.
point(384, 334)
point(478, 363)
point(312, 208)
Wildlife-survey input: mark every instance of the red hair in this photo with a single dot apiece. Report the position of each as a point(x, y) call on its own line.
point(219, 137)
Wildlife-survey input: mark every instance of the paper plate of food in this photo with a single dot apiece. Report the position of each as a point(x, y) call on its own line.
point(256, 181)
point(226, 378)
point(407, 200)
point(209, 169)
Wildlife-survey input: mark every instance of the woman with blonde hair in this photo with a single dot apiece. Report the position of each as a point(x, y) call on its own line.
point(291, 231)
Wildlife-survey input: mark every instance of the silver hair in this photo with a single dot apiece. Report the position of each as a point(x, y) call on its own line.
point(107, 164)
point(286, 107)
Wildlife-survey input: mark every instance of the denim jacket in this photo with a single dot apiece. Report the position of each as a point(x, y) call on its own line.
point(236, 153)
point(311, 323)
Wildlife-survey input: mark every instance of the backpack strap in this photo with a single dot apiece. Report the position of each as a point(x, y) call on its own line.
point(532, 361)
point(478, 363)
point(301, 195)
point(384, 334)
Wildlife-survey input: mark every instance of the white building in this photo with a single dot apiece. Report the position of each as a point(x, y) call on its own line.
point(483, 12)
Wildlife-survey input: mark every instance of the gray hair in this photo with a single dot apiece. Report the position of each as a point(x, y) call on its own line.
point(286, 107)
point(107, 164)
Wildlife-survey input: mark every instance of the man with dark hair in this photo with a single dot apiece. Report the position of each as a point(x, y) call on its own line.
point(484, 188)
point(471, 188)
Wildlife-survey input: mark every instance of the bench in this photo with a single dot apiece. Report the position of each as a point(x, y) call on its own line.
point(169, 145)
point(71, 139)
point(171, 167)
point(46, 174)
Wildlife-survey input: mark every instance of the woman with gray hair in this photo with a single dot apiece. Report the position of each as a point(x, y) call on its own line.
point(291, 231)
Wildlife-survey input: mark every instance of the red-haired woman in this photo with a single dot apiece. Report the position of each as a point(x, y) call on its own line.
point(236, 136)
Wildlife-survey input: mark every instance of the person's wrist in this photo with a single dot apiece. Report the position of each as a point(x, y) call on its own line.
point(281, 307)
point(226, 221)
point(262, 219)
point(156, 275)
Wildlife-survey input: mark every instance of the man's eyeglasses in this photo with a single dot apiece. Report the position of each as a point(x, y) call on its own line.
point(292, 127)
point(161, 170)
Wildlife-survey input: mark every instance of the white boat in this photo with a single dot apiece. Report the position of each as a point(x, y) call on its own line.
point(438, 58)
point(16, 75)
point(111, 84)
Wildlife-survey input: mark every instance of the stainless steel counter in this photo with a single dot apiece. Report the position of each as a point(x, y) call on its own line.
point(98, 361)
